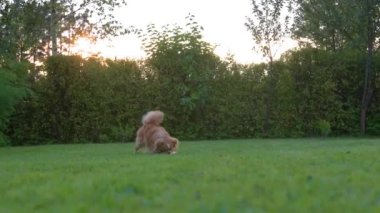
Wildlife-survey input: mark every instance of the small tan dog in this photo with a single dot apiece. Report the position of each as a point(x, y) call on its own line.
point(154, 137)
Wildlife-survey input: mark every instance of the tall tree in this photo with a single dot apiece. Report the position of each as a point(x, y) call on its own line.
point(269, 25)
point(23, 34)
point(70, 19)
point(343, 24)
point(327, 24)
point(37, 28)
point(372, 33)
point(183, 63)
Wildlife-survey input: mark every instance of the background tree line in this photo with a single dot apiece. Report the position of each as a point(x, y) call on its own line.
point(331, 82)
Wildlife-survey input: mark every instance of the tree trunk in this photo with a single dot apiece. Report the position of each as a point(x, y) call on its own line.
point(53, 27)
point(368, 77)
point(363, 117)
point(268, 99)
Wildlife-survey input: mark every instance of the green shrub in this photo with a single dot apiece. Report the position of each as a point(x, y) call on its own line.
point(323, 128)
point(373, 125)
point(3, 140)
point(12, 90)
point(203, 97)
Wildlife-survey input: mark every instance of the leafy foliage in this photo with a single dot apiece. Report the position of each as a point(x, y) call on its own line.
point(69, 20)
point(23, 30)
point(82, 100)
point(269, 25)
point(12, 90)
point(341, 25)
point(323, 127)
point(182, 64)
point(329, 24)
point(36, 29)
point(307, 92)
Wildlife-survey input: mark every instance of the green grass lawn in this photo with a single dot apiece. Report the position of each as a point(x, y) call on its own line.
point(261, 175)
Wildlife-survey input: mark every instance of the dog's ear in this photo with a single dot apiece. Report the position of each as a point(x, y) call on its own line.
point(174, 143)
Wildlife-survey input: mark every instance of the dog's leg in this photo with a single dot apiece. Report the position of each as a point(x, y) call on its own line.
point(138, 147)
point(138, 144)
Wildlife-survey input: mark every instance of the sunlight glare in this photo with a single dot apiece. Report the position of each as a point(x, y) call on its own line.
point(85, 48)
point(122, 47)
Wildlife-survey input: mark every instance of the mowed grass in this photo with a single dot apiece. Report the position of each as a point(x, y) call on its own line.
point(260, 175)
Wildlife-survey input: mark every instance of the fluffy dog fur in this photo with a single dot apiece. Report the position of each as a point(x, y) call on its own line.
point(154, 137)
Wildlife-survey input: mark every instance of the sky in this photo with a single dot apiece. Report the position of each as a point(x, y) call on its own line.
point(222, 20)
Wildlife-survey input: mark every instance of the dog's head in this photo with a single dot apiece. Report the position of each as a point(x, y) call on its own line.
point(170, 146)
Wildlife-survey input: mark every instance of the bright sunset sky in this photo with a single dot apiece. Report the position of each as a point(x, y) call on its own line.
point(222, 20)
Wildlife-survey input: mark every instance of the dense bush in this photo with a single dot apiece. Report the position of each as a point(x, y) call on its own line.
point(78, 100)
point(12, 89)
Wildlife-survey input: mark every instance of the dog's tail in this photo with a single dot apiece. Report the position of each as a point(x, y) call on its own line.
point(153, 117)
